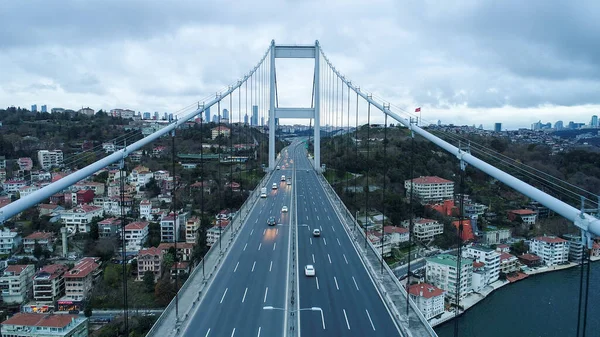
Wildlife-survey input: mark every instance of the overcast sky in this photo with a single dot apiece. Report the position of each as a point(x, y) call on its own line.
point(463, 62)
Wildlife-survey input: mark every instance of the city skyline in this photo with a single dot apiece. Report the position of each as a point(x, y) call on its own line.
point(454, 71)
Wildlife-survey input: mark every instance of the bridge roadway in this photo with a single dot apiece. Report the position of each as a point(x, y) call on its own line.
point(253, 274)
point(341, 287)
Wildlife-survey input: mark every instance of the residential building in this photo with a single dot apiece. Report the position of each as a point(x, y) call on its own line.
point(37, 176)
point(49, 159)
point(25, 164)
point(145, 210)
point(575, 247)
point(428, 298)
point(395, 235)
point(489, 257)
point(26, 190)
point(79, 218)
point(44, 239)
point(441, 271)
point(49, 209)
point(150, 259)
point(43, 325)
point(49, 284)
point(79, 282)
point(180, 268)
point(97, 188)
point(530, 260)
point(87, 111)
point(550, 249)
point(136, 234)
point(16, 283)
point(84, 197)
point(508, 263)
point(184, 249)
point(467, 231)
point(170, 228)
point(13, 186)
point(526, 215)
point(10, 240)
point(220, 130)
point(425, 229)
point(212, 235)
point(109, 228)
point(430, 189)
point(192, 225)
point(496, 236)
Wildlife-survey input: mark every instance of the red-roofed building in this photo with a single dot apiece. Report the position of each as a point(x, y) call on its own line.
point(467, 234)
point(425, 229)
point(235, 187)
point(508, 263)
point(184, 249)
point(428, 298)
point(15, 283)
point(551, 249)
point(78, 284)
point(150, 259)
point(85, 197)
point(192, 225)
point(447, 208)
point(109, 228)
point(29, 324)
point(503, 248)
point(530, 260)
point(136, 234)
point(49, 284)
point(526, 215)
point(13, 186)
point(44, 239)
point(79, 218)
point(430, 189)
point(180, 268)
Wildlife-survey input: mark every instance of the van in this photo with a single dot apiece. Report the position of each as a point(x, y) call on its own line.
point(263, 192)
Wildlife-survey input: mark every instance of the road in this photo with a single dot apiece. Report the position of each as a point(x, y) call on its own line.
point(342, 288)
point(252, 275)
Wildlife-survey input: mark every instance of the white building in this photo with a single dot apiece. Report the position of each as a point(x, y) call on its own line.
point(170, 229)
point(496, 236)
point(43, 325)
point(192, 226)
point(13, 186)
point(430, 189)
point(489, 257)
point(145, 210)
point(212, 235)
point(16, 283)
point(441, 271)
point(550, 249)
point(44, 239)
point(26, 190)
point(79, 218)
point(508, 263)
point(49, 284)
point(136, 234)
point(526, 215)
point(9, 241)
point(425, 229)
point(428, 298)
point(49, 159)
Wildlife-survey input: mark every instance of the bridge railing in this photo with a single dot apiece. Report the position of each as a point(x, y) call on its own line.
point(390, 288)
point(167, 316)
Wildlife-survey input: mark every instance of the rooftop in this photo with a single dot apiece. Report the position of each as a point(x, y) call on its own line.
point(136, 226)
point(42, 320)
point(425, 290)
point(523, 211)
point(83, 268)
point(39, 236)
point(430, 180)
point(448, 260)
point(550, 239)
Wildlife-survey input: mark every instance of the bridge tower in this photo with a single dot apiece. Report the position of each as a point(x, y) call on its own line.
point(288, 51)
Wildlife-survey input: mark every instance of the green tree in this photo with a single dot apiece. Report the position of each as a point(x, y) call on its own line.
point(101, 177)
point(112, 275)
point(94, 232)
point(88, 311)
point(149, 280)
point(168, 261)
point(38, 251)
point(519, 248)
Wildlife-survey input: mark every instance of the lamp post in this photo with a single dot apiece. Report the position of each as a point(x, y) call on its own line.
point(302, 309)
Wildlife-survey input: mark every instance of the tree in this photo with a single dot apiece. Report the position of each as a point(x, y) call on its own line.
point(164, 290)
point(149, 280)
point(112, 275)
point(88, 311)
point(101, 177)
point(519, 248)
point(94, 232)
point(38, 251)
point(168, 261)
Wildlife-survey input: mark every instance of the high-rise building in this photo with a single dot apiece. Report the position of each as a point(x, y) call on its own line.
point(34, 108)
point(498, 127)
point(559, 125)
point(207, 115)
point(246, 119)
point(225, 114)
point(254, 121)
point(594, 121)
point(45, 109)
point(262, 121)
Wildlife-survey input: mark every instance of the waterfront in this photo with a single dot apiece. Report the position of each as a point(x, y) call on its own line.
point(543, 305)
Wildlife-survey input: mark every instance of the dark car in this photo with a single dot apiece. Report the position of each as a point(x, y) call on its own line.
point(271, 221)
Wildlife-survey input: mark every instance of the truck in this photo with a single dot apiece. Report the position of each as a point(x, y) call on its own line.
point(263, 192)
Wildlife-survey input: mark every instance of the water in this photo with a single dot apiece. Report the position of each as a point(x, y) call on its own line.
point(543, 305)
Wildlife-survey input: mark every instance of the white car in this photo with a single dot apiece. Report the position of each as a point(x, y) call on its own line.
point(316, 232)
point(284, 209)
point(309, 270)
point(274, 186)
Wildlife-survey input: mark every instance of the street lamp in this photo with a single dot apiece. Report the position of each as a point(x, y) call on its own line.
point(303, 309)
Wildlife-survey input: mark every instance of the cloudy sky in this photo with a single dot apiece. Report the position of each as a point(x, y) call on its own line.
point(463, 62)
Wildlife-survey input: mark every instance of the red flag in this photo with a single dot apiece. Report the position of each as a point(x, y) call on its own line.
point(418, 109)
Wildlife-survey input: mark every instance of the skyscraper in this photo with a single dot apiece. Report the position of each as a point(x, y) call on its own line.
point(254, 120)
point(246, 119)
point(498, 127)
point(225, 114)
point(207, 115)
point(45, 109)
point(34, 108)
point(594, 121)
point(262, 121)
point(559, 125)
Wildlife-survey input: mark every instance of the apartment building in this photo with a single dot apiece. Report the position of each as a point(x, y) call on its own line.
point(150, 259)
point(109, 228)
point(44, 239)
point(551, 250)
point(136, 234)
point(49, 159)
point(13, 186)
point(184, 249)
point(49, 284)
point(489, 257)
point(26, 190)
point(428, 298)
point(220, 130)
point(425, 229)
point(441, 271)
point(526, 215)
point(508, 263)
point(79, 281)
point(170, 227)
point(496, 236)
point(145, 210)
point(10, 240)
point(192, 225)
point(25, 164)
point(430, 189)
point(42, 325)
point(78, 219)
point(16, 283)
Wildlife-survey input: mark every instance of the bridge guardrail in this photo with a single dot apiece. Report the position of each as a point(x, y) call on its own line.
point(343, 210)
point(238, 218)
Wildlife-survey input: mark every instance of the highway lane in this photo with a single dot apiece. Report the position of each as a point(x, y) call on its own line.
point(342, 287)
point(251, 276)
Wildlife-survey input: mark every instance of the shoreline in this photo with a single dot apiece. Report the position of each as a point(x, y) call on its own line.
point(475, 297)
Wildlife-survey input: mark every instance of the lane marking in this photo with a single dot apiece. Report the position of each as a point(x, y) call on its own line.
point(256, 221)
point(345, 258)
point(328, 217)
point(264, 231)
point(333, 228)
point(329, 257)
point(266, 292)
point(274, 245)
point(321, 227)
point(258, 332)
point(336, 284)
point(315, 209)
point(259, 245)
point(223, 297)
point(372, 325)
point(317, 216)
point(325, 240)
point(317, 279)
point(307, 217)
point(233, 332)
point(313, 256)
point(207, 333)
point(244, 298)
point(254, 264)
point(236, 265)
point(276, 231)
point(252, 230)
point(246, 245)
point(271, 266)
point(310, 240)
point(338, 240)
point(356, 284)
point(347, 323)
